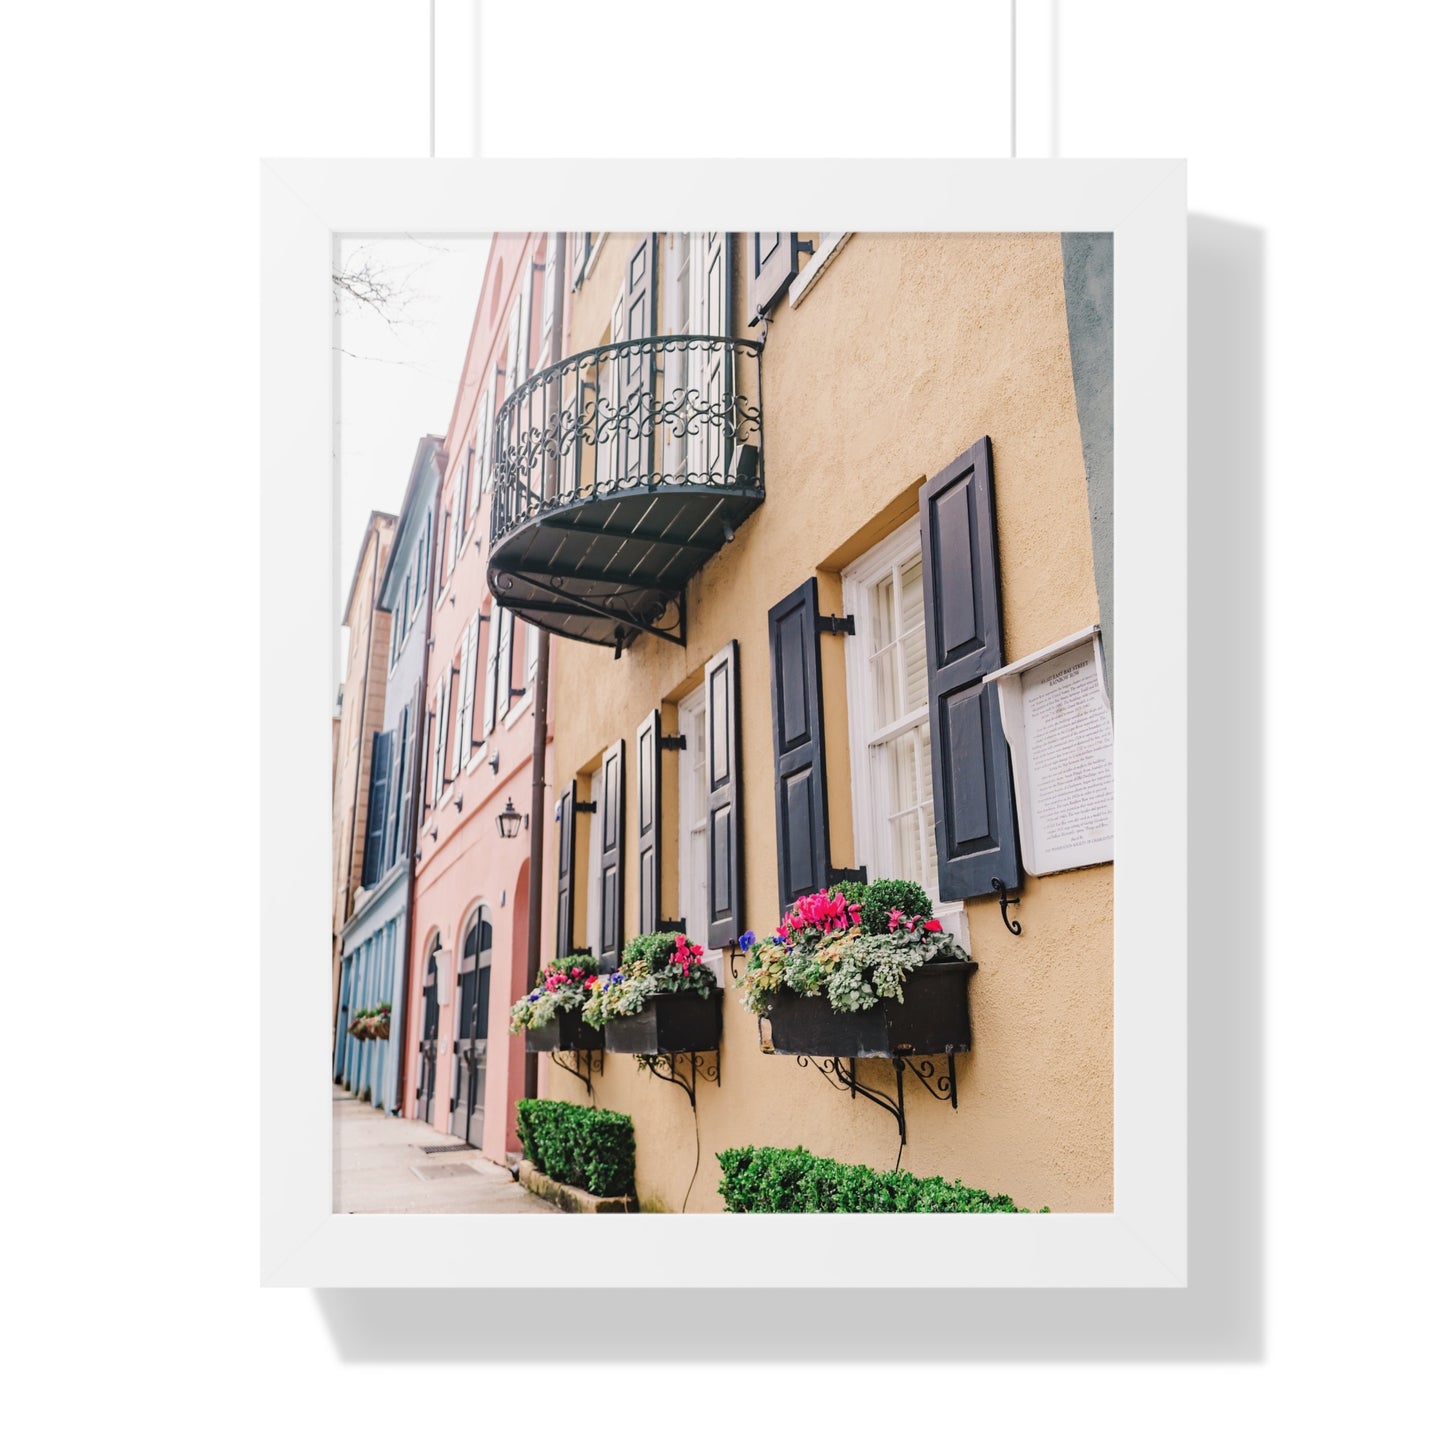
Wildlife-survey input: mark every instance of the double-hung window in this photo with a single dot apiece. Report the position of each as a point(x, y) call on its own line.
point(692, 815)
point(886, 660)
point(463, 749)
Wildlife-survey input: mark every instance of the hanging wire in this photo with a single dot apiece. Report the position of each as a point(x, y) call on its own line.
point(1013, 79)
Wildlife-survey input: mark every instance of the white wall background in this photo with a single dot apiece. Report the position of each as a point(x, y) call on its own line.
point(131, 385)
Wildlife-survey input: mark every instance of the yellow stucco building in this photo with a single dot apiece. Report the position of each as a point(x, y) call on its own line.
point(777, 571)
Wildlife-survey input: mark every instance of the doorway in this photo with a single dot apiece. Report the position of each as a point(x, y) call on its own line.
point(426, 1088)
point(474, 987)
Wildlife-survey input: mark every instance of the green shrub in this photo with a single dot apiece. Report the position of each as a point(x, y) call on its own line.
point(760, 1180)
point(850, 892)
point(651, 949)
point(882, 897)
point(591, 1148)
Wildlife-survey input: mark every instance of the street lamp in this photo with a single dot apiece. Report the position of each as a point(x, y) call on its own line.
point(509, 821)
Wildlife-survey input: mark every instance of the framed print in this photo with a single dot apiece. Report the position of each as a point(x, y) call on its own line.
point(712, 586)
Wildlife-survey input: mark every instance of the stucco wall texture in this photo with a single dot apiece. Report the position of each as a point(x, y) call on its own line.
point(908, 349)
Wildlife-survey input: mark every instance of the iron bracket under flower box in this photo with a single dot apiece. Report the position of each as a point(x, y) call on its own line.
point(932, 1019)
point(568, 1033)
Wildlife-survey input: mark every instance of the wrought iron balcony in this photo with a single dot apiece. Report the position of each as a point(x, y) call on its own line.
point(617, 473)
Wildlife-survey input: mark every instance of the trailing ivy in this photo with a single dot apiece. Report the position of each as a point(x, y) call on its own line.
point(591, 1148)
point(761, 1180)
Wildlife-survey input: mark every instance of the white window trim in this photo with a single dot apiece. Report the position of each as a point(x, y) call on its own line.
point(858, 578)
point(829, 244)
point(594, 867)
point(692, 709)
point(595, 244)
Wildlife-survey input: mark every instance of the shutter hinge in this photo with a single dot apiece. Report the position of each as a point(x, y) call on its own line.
point(585, 807)
point(847, 875)
point(673, 742)
point(836, 624)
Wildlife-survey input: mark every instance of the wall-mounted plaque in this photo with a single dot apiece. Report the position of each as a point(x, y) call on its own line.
point(1060, 731)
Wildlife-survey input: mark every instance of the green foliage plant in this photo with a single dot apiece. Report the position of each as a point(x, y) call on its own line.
point(593, 1149)
point(562, 986)
point(651, 964)
point(854, 943)
point(761, 1180)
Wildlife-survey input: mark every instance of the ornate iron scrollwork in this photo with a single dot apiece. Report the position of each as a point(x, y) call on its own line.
point(665, 1067)
point(843, 1075)
point(581, 1065)
point(589, 425)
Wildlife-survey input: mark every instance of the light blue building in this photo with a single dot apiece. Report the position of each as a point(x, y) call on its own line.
point(376, 942)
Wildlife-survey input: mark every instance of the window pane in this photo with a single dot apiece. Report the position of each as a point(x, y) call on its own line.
point(915, 658)
point(903, 773)
point(881, 606)
point(884, 673)
point(930, 851)
point(907, 860)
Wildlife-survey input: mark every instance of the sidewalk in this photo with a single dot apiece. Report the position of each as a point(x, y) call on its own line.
point(375, 1161)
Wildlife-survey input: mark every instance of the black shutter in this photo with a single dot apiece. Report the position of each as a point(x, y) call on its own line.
point(800, 776)
point(415, 758)
point(376, 809)
point(609, 819)
point(566, 856)
point(633, 370)
point(724, 800)
point(637, 292)
point(963, 614)
point(772, 264)
point(649, 854)
point(395, 790)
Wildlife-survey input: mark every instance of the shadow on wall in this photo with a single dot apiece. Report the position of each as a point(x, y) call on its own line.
point(1220, 1317)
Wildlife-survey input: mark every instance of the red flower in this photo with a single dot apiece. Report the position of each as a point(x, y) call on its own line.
point(576, 973)
point(933, 926)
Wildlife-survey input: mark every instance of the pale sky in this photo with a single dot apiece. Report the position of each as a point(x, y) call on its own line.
point(397, 381)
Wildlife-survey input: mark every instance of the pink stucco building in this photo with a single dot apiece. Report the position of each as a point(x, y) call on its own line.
point(464, 1070)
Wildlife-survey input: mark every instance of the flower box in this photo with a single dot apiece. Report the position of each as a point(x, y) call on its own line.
point(565, 1033)
point(678, 1023)
point(932, 1019)
point(811, 1026)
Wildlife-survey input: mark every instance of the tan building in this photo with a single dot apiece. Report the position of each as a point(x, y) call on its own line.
point(363, 699)
point(778, 570)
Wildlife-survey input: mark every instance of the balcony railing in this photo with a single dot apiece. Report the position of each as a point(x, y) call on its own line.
point(617, 472)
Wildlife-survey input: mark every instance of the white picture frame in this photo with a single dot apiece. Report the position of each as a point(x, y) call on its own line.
point(305, 206)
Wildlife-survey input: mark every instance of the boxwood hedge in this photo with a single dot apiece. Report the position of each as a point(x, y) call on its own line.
point(591, 1148)
point(760, 1180)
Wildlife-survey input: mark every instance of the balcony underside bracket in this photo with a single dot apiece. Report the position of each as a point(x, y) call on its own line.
point(626, 621)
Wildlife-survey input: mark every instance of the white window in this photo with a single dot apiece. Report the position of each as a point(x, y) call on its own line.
point(692, 816)
point(486, 416)
point(516, 366)
point(549, 287)
point(439, 736)
point(892, 757)
point(463, 748)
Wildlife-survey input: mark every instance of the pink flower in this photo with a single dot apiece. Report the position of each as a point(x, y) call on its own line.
point(576, 973)
point(894, 919)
